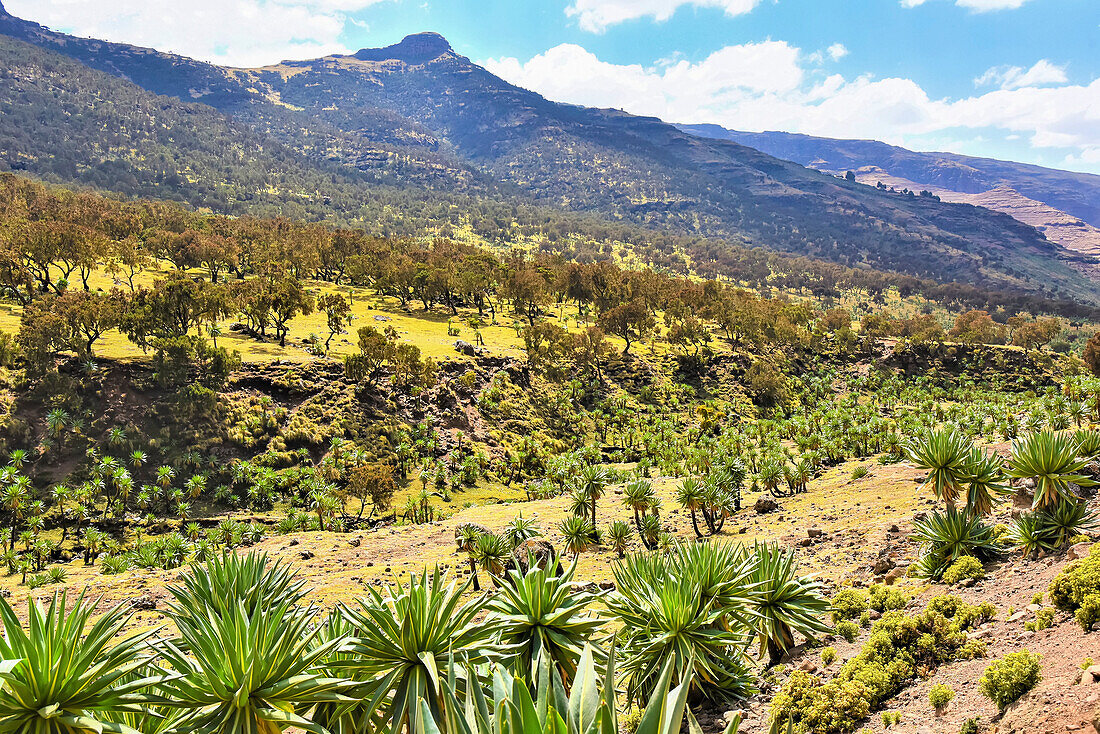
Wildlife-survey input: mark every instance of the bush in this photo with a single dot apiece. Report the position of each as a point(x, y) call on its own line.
point(1012, 676)
point(835, 707)
point(828, 655)
point(970, 726)
point(967, 567)
point(848, 604)
point(940, 695)
point(848, 630)
point(885, 598)
point(1044, 619)
point(900, 648)
point(1088, 614)
point(1076, 582)
point(890, 718)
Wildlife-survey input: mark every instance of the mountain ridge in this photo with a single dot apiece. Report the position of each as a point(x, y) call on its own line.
point(420, 99)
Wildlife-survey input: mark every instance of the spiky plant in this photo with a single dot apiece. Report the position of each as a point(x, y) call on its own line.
point(1088, 443)
point(577, 533)
point(58, 676)
point(540, 615)
point(492, 553)
point(1051, 459)
point(520, 529)
point(943, 453)
point(1067, 519)
point(949, 535)
point(618, 533)
point(982, 476)
point(1029, 535)
point(404, 635)
point(785, 602)
point(669, 619)
point(256, 671)
point(229, 579)
point(691, 495)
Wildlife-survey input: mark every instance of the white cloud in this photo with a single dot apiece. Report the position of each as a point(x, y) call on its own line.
point(771, 86)
point(1015, 77)
point(978, 6)
point(231, 32)
point(837, 51)
point(596, 15)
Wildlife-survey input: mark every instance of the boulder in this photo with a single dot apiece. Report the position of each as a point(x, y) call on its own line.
point(536, 550)
point(765, 505)
point(145, 603)
point(814, 532)
point(1081, 550)
point(883, 565)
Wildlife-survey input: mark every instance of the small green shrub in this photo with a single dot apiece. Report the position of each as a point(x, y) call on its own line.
point(1088, 614)
point(1005, 680)
point(848, 604)
point(38, 580)
point(940, 695)
point(967, 567)
point(835, 707)
point(970, 726)
point(57, 575)
point(828, 655)
point(1078, 580)
point(630, 721)
point(865, 619)
point(883, 598)
point(890, 718)
point(1044, 619)
point(848, 630)
point(860, 472)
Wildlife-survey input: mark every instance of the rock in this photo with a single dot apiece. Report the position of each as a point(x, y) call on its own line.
point(143, 603)
point(806, 542)
point(305, 555)
point(809, 666)
point(1017, 616)
point(578, 587)
point(1081, 550)
point(293, 541)
point(894, 575)
point(1033, 607)
point(607, 586)
point(355, 542)
point(540, 551)
point(468, 349)
point(814, 532)
point(5, 594)
point(1091, 674)
point(893, 529)
point(874, 614)
point(883, 565)
point(765, 505)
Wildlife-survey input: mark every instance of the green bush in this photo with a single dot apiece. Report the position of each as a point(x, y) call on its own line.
point(970, 726)
point(940, 695)
point(848, 604)
point(890, 718)
point(828, 655)
point(900, 648)
point(1088, 614)
point(835, 707)
point(883, 598)
point(1012, 676)
point(967, 567)
point(1077, 581)
point(848, 630)
point(1044, 619)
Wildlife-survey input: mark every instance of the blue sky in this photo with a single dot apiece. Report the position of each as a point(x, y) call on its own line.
point(1017, 79)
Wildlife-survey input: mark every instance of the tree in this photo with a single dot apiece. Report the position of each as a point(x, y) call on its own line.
point(1032, 333)
point(337, 311)
point(375, 349)
point(629, 321)
point(288, 299)
point(373, 482)
point(976, 327)
point(1092, 354)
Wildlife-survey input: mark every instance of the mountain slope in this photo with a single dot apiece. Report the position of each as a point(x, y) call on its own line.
point(419, 99)
point(1063, 204)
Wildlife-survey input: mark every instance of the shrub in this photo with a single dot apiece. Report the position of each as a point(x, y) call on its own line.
point(1078, 580)
point(848, 604)
point(890, 718)
point(828, 655)
point(1088, 614)
point(865, 619)
point(834, 707)
point(1044, 619)
point(1012, 676)
point(970, 726)
point(37, 581)
point(885, 598)
point(967, 567)
point(940, 695)
point(848, 630)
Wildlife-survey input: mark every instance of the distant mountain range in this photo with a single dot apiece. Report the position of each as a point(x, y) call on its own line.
point(357, 137)
point(1062, 204)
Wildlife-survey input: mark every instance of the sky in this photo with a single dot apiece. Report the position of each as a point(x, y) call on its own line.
point(1011, 79)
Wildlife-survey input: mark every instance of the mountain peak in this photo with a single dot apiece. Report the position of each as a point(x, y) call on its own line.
point(418, 48)
point(3, 12)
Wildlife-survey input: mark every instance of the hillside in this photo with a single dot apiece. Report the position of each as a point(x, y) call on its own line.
point(1064, 205)
point(428, 117)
